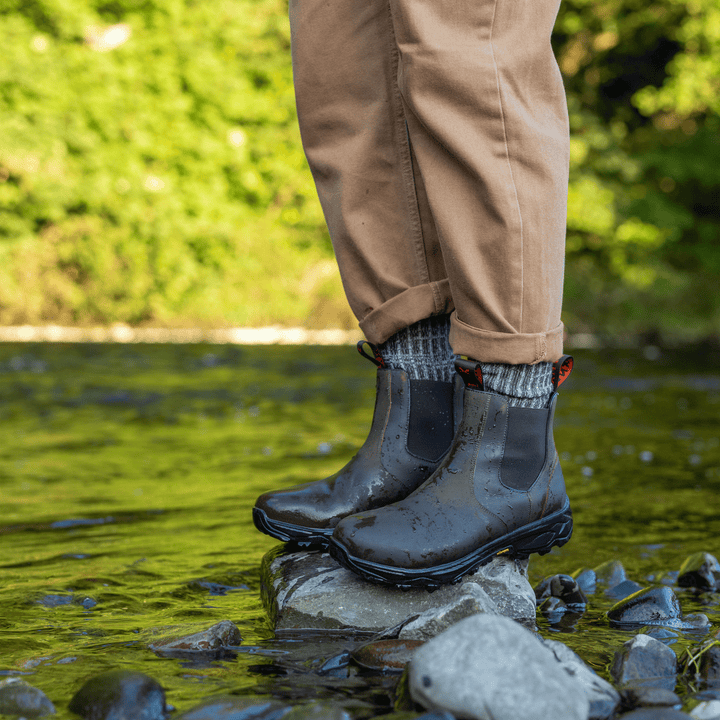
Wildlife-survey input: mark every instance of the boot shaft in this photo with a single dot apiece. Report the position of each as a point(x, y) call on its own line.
point(413, 417)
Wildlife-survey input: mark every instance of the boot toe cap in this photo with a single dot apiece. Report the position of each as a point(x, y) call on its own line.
point(378, 537)
point(290, 507)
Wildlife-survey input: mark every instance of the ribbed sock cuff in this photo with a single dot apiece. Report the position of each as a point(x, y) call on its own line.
point(527, 386)
point(422, 350)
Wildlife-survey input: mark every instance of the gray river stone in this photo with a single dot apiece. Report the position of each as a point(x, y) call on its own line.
point(553, 609)
point(54, 601)
point(488, 667)
point(610, 574)
point(701, 571)
point(317, 711)
point(310, 591)
point(701, 665)
point(709, 666)
point(386, 655)
point(707, 710)
point(586, 580)
point(601, 695)
point(215, 640)
point(623, 590)
point(644, 661)
point(120, 695)
point(643, 696)
point(232, 707)
point(19, 698)
point(654, 606)
point(655, 713)
point(471, 600)
point(563, 587)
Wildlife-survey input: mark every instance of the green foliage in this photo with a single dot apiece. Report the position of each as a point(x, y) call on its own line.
point(642, 82)
point(162, 180)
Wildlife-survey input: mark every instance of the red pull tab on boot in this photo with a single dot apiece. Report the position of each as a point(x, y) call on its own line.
point(561, 371)
point(471, 373)
point(376, 358)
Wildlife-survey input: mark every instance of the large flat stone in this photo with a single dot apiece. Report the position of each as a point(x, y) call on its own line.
point(311, 591)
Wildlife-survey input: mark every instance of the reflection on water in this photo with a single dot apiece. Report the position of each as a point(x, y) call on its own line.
point(128, 474)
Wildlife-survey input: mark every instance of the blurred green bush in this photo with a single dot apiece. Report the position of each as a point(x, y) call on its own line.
point(159, 181)
point(643, 84)
point(151, 168)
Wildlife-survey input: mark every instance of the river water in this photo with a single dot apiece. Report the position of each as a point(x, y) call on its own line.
point(128, 473)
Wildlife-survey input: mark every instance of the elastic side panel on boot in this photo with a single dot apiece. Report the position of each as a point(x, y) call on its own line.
point(431, 427)
point(524, 454)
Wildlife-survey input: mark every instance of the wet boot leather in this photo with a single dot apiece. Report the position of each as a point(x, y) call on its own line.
point(412, 429)
point(500, 490)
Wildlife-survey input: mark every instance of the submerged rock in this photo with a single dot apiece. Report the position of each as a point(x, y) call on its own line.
point(710, 666)
point(488, 667)
point(644, 661)
point(702, 665)
point(655, 713)
point(559, 615)
point(54, 601)
point(601, 695)
point(586, 580)
point(553, 606)
point(19, 698)
point(317, 711)
point(120, 694)
point(564, 587)
point(610, 573)
point(309, 590)
point(643, 696)
point(386, 655)
point(654, 606)
point(233, 707)
point(216, 640)
point(701, 571)
point(623, 590)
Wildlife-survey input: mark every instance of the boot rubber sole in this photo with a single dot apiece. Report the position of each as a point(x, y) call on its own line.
point(536, 537)
point(287, 532)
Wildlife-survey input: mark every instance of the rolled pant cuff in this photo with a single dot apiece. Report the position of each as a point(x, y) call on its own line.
point(410, 306)
point(507, 348)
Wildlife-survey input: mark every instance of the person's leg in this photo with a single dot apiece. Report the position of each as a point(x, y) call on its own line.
point(438, 139)
point(476, 188)
point(355, 137)
point(352, 123)
point(487, 119)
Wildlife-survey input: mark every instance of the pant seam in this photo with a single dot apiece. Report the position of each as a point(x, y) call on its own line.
point(512, 175)
point(436, 296)
point(402, 134)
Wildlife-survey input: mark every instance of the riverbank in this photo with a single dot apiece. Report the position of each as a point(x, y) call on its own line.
point(268, 335)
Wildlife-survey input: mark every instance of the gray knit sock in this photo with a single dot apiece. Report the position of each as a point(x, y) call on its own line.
point(422, 350)
point(527, 386)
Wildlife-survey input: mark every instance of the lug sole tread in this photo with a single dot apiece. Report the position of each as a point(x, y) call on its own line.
point(304, 537)
point(538, 537)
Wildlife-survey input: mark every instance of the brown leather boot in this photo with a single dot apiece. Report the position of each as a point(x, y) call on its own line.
point(499, 490)
point(412, 429)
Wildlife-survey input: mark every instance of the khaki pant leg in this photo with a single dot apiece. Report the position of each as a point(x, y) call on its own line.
point(352, 123)
point(487, 117)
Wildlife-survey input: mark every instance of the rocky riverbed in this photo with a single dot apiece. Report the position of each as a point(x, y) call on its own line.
point(128, 473)
point(470, 650)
